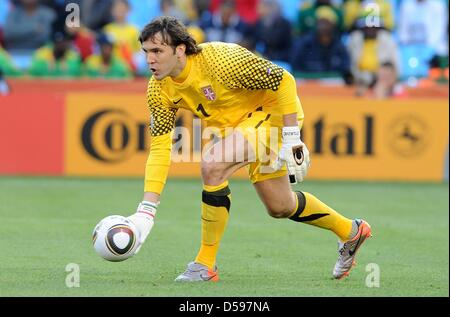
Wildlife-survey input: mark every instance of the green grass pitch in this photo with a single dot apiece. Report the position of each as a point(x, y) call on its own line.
point(47, 223)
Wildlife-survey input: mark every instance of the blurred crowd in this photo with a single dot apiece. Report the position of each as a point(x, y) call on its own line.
point(372, 44)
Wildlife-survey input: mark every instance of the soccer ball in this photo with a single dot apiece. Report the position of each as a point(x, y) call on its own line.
point(115, 238)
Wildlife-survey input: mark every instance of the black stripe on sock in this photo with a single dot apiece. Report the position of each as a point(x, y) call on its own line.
point(301, 206)
point(218, 198)
point(310, 217)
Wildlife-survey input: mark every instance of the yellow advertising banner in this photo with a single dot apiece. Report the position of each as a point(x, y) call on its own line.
point(397, 139)
point(107, 135)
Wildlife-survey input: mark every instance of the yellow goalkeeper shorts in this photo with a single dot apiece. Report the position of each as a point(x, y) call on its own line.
point(262, 130)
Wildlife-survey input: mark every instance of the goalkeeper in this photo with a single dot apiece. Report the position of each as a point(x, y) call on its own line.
point(229, 87)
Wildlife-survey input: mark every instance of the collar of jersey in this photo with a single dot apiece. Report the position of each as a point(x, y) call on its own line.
point(184, 78)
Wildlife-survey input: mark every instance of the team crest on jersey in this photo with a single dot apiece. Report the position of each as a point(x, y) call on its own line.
point(209, 93)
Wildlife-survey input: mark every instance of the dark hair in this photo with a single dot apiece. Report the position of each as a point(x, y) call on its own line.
point(173, 33)
point(388, 64)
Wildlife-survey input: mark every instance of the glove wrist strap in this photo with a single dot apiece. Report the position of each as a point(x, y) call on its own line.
point(291, 134)
point(147, 208)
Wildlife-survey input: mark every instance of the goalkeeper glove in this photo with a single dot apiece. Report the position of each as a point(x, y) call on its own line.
point(295, 153)
point(143, 219)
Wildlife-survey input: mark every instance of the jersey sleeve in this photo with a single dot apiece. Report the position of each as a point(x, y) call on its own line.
point(162, 121)
point(236, 67)
point(162, 116)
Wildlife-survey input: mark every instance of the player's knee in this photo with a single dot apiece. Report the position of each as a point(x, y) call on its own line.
point(212, 173)
point(281, 207)
point(279, 211)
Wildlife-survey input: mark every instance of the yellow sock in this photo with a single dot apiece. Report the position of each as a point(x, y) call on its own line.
point(216, 201)
point(312, 211)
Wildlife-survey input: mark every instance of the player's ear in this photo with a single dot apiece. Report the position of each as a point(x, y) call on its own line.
point(180, 50)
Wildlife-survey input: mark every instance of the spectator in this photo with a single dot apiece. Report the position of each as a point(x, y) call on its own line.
point(322, 51)
point(56, 59)
point(124, 35)
point(225, 25)
point(28, 26)
point(369, 48)
point(106, 64)
point(95, 14)
point(424, 22)
point(387, 85)
point(353, 9)
point(83, 40)
point(202, 7)
point(169, 8)
point(273, 33)
point(306, 19)
point(59, 8)
point(187, 7)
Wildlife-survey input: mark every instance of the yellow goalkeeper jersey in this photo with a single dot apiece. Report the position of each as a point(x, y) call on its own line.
point(222, 84)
